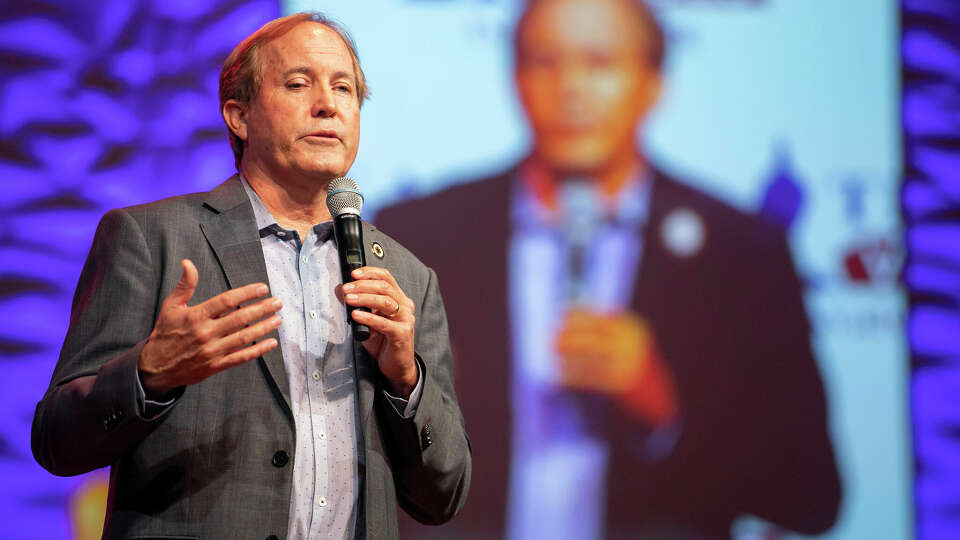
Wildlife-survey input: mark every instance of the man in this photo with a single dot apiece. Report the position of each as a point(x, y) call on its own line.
point(633, 355)
point(225, 413)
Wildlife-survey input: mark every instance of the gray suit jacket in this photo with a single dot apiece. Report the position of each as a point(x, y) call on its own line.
point(206, 469)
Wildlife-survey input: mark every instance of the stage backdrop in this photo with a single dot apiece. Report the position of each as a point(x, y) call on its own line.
point(784, 109)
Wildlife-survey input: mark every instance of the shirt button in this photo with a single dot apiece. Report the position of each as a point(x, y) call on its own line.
point(281, 234)
point(313, 314)
point(304, 259)
point(322, 501)
point(323, 435)
point(316, 375)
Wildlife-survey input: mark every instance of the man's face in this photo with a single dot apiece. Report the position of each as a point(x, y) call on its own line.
point(305, 120)
point(584, 82)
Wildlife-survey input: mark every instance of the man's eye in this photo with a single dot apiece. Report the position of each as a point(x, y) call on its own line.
point(296, 85)
point(539, 61)
point(343, 88)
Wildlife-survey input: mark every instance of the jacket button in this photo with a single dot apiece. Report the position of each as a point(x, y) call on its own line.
point(280, 459)
point(272, 537)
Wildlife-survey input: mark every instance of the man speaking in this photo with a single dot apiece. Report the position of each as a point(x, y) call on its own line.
point(209, 359)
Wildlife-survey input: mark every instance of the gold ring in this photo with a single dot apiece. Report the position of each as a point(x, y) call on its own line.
point(394, 314)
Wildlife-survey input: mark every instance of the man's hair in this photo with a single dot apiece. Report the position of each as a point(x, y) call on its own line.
point(652, 40)
point(242, 72)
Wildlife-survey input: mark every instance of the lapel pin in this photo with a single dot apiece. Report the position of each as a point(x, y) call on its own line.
point(377, 249)
point(683, 232)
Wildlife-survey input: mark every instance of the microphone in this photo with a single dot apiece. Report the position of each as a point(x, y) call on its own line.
point(344, 201)
point(581, 216)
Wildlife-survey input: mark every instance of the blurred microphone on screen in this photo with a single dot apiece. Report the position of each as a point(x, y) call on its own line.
point(581, 214)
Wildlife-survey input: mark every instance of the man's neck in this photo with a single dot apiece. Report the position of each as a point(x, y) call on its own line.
point(295, 203)
point(610, 180)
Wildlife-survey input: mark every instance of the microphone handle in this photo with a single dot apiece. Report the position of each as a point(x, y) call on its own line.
point(349, 233)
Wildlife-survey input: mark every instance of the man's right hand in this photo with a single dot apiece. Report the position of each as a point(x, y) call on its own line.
point(615, 354)
point(190, 343)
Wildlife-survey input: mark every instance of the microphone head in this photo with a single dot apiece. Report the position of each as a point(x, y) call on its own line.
point(344, 197)
point(581, 210)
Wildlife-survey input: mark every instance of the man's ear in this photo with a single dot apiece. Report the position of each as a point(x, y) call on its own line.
point(235, 115)
point(654, 88)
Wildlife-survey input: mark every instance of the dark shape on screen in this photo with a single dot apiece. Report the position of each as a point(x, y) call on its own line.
point(784, 196)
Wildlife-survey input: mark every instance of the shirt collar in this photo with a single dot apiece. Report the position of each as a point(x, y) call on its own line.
point(263, 216)
point(629, 207)
point(267, 224)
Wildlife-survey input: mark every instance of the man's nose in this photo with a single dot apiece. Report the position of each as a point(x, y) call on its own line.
point(573, 79)
point(324, 104)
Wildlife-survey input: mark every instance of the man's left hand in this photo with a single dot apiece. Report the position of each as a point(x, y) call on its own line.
point(391, 321)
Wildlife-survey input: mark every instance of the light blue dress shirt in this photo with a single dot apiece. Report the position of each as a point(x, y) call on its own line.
point(317, 346)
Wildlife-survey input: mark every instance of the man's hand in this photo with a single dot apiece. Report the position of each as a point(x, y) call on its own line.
point(616, 355)
point(190, 343)
point(391, 322)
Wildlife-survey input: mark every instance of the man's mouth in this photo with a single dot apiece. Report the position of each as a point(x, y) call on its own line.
point(323, 134)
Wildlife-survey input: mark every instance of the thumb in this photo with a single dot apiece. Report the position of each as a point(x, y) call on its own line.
point(183, 290)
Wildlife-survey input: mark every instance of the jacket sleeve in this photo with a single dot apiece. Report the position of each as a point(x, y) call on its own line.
point(790, 475)
point(430, 452)
point(89, 416)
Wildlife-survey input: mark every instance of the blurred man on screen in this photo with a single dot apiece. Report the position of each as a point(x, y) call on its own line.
point(227, 413)
point(633, 355)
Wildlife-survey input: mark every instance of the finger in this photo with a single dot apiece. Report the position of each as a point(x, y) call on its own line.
point(390, 296)
point(604, 322)
point(183, 291)
point(394, 330)
point(237, 340)
point(374, 286)
point(246, 354)
point(616, 334)
point(384, 305)
point(582, 373)
point(578, 349)
point(574, 341)
point(375, 272)
point(585, 360)
point(583, 319)
point(229, 300)
point(246, 315)
point(384, 288)
point(602, 328)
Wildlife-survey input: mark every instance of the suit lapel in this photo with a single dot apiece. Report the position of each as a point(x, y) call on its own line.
point(364, 364)
point(646, 282)
point(230, 229)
